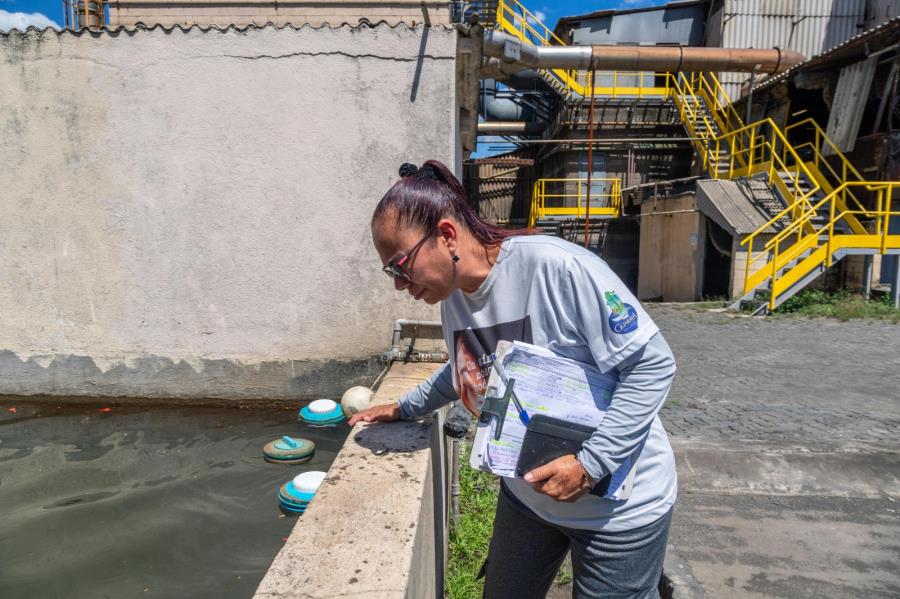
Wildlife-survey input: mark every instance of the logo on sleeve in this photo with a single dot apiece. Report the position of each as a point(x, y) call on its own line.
point(622, 317)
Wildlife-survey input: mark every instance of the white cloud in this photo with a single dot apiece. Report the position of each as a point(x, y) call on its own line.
point(540, 16)
point(21, 21)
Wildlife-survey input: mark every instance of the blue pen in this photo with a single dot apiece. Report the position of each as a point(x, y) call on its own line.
point(523, 415)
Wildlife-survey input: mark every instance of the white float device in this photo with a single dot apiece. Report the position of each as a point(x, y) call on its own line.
point(308, 482)
point(322, 406)
point(356, 399)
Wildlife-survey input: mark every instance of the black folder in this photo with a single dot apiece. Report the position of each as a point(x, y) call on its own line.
point(548, 438)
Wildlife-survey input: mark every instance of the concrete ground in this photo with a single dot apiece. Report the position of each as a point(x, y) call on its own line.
point(786, 436)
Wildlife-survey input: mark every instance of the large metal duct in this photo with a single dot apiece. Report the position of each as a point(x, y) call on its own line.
point(513, 52)
point(504, 108)
point(510, 128)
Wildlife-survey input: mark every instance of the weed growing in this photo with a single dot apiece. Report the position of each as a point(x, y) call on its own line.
point(842, 305)
point(470, 538)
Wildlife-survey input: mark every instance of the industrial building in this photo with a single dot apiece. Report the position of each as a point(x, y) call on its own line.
point(691, 195)
point(188, 191)
point(693, 168)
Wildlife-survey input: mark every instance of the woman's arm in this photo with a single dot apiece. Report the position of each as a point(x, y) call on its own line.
point(644, 381)
point(429, 395)
point(645, 378)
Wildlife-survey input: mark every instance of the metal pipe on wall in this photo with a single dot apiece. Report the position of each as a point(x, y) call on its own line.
point(587, 212)
point(511, 128)
point(638, 58)
point(618, 140)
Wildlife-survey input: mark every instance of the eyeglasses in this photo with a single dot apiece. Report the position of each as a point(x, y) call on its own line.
point(394, 267)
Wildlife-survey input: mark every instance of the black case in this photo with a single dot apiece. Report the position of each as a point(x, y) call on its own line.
point(548, 438)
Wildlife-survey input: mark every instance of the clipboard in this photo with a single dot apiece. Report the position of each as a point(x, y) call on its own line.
point(552, 426)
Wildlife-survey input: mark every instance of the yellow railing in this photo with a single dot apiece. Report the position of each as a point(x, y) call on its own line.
point(728, 148)
point(518, 21)
point(798, 251)
point(569, 198)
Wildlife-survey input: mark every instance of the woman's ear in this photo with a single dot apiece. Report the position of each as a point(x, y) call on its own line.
point(448, 231)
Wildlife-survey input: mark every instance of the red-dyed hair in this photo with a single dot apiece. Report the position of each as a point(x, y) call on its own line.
point(422, 197)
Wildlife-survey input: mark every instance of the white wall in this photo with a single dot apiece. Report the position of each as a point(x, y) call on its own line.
point(187, 213)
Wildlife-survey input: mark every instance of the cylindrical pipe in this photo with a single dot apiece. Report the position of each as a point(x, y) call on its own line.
point(397, 353)
point(402, 323)
point(454, 481)
point(895, 285)
point(587, 211)
point(500, 106)
point(638, 58)
point(511, 128)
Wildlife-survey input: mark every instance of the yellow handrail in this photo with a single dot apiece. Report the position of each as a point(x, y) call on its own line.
point(881, 214)
point(602, 204)
point(515, 19)
point(729, 148)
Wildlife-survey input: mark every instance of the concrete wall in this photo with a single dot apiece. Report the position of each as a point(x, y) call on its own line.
point(260, 12)
point(378, 525)
point(186, 214)
point(739, 262)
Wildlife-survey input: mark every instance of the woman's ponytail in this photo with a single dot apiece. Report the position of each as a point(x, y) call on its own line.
point(424, 195)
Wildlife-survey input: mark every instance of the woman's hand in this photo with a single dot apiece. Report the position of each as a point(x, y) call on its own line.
point(563, 479)
point(383, 413)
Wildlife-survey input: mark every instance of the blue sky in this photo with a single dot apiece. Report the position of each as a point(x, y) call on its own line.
point(20, 11)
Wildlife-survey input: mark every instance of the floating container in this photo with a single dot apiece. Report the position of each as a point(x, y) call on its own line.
point(322, 412)
point(289, 450)
point(356, 399)
point(296, 494)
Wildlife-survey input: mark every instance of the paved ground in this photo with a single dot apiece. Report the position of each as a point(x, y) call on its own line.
point(786, 435)
point(782, 379)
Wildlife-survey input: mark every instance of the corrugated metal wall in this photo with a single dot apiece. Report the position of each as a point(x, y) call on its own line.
point(806, 26)
point(501, 193)
point(881, 11)
point(667, 25)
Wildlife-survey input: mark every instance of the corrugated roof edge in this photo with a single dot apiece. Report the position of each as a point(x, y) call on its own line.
point(824, 56)
point(363, 24)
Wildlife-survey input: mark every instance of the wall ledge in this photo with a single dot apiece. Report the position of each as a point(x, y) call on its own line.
point(375, 527)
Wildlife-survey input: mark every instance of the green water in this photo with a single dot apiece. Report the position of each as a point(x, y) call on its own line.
point(143, 501)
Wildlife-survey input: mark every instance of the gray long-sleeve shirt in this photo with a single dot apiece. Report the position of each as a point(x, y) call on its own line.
point(549, 292)
point(644, 381)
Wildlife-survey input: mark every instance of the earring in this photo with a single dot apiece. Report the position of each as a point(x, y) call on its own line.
point(455, 258)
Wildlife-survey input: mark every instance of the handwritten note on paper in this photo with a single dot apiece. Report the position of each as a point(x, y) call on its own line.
point(545, 384)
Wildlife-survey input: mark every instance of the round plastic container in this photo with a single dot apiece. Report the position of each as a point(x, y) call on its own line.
point(296, 494)
point(322, 412)
point(289, 450)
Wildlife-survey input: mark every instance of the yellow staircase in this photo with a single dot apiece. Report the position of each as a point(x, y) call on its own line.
point(828, 210)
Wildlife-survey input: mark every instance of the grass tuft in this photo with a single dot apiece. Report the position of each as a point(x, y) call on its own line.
point(842, 305)
point(470, 538)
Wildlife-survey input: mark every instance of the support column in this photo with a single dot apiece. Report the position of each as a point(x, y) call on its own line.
point(895, 284)
point(867, 277)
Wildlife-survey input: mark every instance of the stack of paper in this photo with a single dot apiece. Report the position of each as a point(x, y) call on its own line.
point(545, 384)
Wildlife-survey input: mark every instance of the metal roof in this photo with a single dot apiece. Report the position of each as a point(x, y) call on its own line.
point(858, 46)
point(732, 206)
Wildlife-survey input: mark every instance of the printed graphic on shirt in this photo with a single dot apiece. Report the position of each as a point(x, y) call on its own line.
point(622, 317)
point(474, 355)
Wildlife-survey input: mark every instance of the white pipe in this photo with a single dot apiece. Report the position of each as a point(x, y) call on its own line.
point(397, 353)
